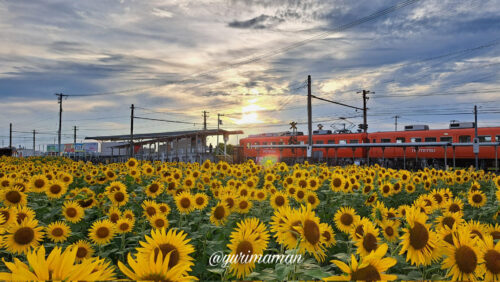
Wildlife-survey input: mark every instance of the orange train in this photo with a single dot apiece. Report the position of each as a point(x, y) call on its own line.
point(423, 156)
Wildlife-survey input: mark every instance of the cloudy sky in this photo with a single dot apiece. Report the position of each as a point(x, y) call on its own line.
point(428, 62)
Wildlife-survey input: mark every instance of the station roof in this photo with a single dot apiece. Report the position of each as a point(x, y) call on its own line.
point(163, 136)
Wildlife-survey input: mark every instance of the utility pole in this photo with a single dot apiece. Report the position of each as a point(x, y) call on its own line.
point(205, 120)
point(34, 147)
point(59, 100)
point(476, 151)
point(10, 136)
point(219, 122)
point(309, 118)
point(365, 98)
point(396, 122)
point(132, 131)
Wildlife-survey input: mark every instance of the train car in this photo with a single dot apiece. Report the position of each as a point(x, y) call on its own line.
point(457, 133)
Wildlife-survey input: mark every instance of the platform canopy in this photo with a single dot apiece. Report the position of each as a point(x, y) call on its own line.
point(151, 138)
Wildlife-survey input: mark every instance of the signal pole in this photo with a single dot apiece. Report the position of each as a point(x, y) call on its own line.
point(132, 131)
point(74, 141)
point(59, 100)
point(396, 122)
point(309, 118)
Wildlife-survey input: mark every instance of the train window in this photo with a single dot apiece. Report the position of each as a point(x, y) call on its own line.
point(331, 141)
point(430, 139)
point(374, 141)
point(498, 138)
point(342, 142)
point(484, 138)
point(248, 145)
point(400, 139)
point(256, 143)
point(385, 140)
point(301, 142)
point(281, 143)
point(264, 143)
point(319, 142)
point(464, 139)
point(415, 139)
point(446, 139)
point(353, 141)
point(273, 143)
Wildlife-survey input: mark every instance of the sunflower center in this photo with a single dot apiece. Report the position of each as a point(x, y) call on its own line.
point(300, 194)
point(359, 230)
point(159, 223)
point(81, 252)
point(155, 277)
point(389, 231)
point(243, 205)
point(21, 217)
point(327, 235)
point(244, 248)
point(165, 250)
point(200, 201)
point(39, 183)
point(311, 231)
point(55, 189)
point(219, 212)
point(153, 188)
point(368, 273)
point(466, 259)
point(438, 198)
point(449, 221)
point(230, 202)
point(71, 212)
point(311, 200)
point(492, 259)
point(57, 232)
point(102, 232)
point(114, 217)
point(346, 219)
point(185, 203)
point(124, 226)
point(150, 211)
point(448, 238)
point(386, 189)
point(24, 236)
point(419, 236)
point(119, 196)
point(454, 208)
point(337, 182)
point(477, 198)
point(279, 200)
point(370, 242)
point(292, 191)
point(13, 196)
point(390, 215)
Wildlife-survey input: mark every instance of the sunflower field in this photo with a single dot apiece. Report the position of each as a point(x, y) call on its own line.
point(66, 220)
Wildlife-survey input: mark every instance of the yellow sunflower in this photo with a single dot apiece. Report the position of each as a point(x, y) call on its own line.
point(418, 242)
point(477, 198)
point(491, 257)
point(279, 199)
point(101, 232)
point(118, 198)
point(38, 183)
point(13, 197)
point(72, 211)
point(219, 214)
point(337, 182)
point(58, 231)
point(390, 230)
point(200, 201)
point(56, 189)
point(310, 233)
point(163, 242)
point(250, 238)
point(152, 269)
point(244, 205)
point(159, 221)
point(344, 219)
point(185, 202)
point(369, 268)
point(21, 237)
point(368, 242)
point(463, 259)
point(154, 189)
point(124, 225)
point(150, 208)
point(84, 250)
